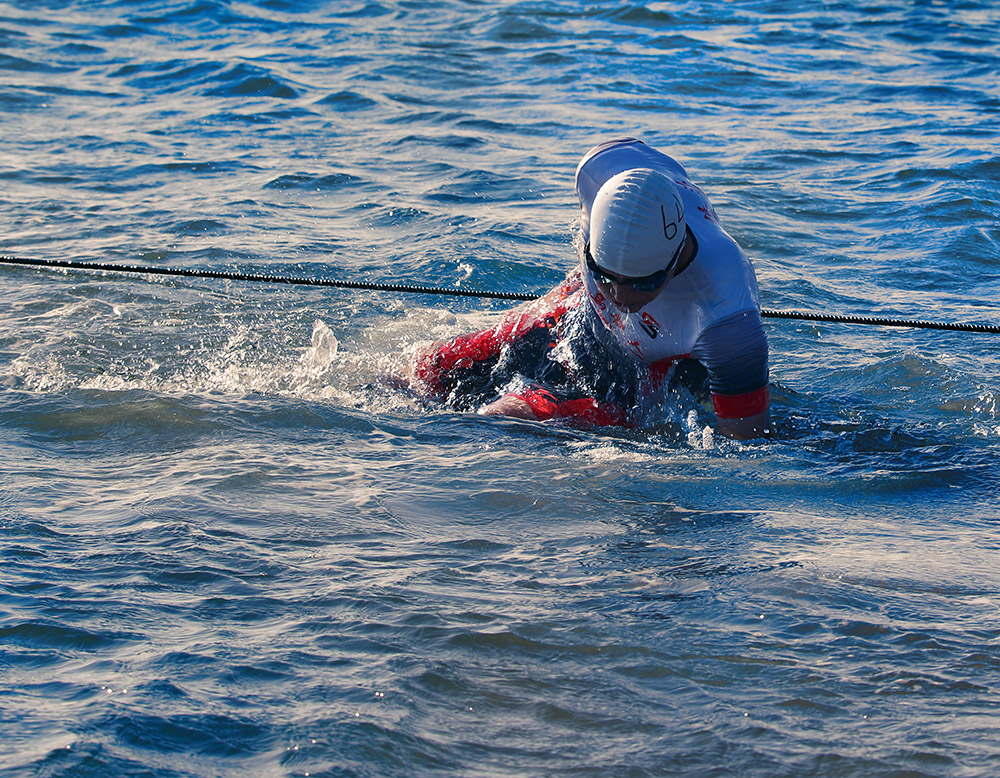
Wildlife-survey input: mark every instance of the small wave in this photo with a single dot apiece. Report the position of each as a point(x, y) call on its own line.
point(393, 216)
point(641, 16)
point(306, 181)
point(200, 227)
point(7, 62)
point(421, 117)
point(144, 176)
point(479, 185)
point(245, 80)
point(209, 735)
point(55, 89)
point(11, 37)
point(81, 49)
point(347, 101)
point(170, 74)
point(34, 634)
point(367, 11)
point(116, 31)
point(448, 141)
point(207, 14)
point(551, 58)
point(517, 29)
point(17, 100)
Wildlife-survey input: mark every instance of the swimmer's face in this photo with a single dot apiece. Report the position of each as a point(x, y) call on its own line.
point(627, 293)
point(623, 296)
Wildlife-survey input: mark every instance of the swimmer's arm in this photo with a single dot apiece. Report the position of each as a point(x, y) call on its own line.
point(433, 363)
point(734, 351)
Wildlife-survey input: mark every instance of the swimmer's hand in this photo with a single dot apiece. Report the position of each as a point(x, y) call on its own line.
point(510, 405)
point(747, 428)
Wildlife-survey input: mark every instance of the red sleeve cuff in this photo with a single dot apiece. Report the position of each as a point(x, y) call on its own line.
point(740, 406)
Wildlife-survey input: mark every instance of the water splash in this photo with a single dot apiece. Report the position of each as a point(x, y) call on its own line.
point(698, 436)
point(322, 350)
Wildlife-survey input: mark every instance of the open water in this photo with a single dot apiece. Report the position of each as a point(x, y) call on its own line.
point(228, 549)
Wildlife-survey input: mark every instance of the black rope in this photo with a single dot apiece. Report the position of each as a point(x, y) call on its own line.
point(235, 276)
point(406, 288)
point(880, 322)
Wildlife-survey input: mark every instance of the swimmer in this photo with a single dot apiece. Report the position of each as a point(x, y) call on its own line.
point(661, 295)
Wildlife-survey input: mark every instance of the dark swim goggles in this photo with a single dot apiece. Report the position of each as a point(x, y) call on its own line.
point(649, 283)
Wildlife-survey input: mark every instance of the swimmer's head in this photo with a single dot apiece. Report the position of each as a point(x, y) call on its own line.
point(637, 223)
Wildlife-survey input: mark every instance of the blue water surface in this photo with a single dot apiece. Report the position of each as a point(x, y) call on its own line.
point(231, 548)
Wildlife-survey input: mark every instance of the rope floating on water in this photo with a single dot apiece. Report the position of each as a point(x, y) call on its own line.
point(266, 279)
point(406, 288)
point(876, 321)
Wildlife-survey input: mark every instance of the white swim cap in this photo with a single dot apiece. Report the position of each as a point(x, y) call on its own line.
point(637, 223)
